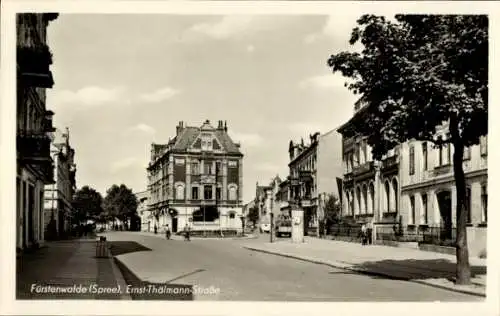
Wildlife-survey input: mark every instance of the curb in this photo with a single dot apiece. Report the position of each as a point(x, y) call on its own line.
point(120, 280)
point(350, 267)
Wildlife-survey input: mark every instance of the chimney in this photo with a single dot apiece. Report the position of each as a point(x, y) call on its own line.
point(225, 126)
point(179, 128)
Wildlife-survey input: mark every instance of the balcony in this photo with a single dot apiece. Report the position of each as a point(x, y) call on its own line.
point(305, 176)
point(390, 163)
point(207, 179)
point(348, 177)
point(294, 181)
point(34, 66)
point(47, 122)
point(33, 148)
point(363, 169)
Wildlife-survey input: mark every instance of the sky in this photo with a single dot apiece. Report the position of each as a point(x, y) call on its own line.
point(123, 82)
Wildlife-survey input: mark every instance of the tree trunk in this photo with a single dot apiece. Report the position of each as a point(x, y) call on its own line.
point(462, 252)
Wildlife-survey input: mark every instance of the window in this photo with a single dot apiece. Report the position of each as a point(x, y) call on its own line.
point(387, 195)
point(484, 203)
point(365, 199)
point(195, 168)
point(425, 208)
point(207, 167)
point(207, 192)
point(179, 161)
point(232, 193)
point(467, 153)
point(218, 194)
point(395, 195)
point(194, 193)
point(218, 167)
point(412, 160)
point(372, 198)
point(232, 163)
point(412, 210)
point(231, 215)
point(179, 192)
point(468, 204)
point(483, 145)
point(425, 155)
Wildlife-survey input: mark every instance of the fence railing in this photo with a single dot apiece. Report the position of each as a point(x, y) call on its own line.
point(422, 234)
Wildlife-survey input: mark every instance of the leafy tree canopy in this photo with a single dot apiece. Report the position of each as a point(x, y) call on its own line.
point(415, 74)
point(87, 203)
point(120, 202)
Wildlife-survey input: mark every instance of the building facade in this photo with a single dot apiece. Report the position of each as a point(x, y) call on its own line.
point(144, 212)
point(35, 167)
point(59, 195)
point(428, 191)
point(411, 190)
point(314, 169)
point(196, 179)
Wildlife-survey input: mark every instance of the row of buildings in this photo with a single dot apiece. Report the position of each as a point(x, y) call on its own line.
point(45, 174)
point(194, 179)
point(315, 169)
point(410, 191)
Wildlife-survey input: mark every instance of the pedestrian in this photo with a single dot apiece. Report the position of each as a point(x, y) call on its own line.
point(186, 232)
point(363, 234)
point(167, 232)
point(156, 229)
point(369, 232)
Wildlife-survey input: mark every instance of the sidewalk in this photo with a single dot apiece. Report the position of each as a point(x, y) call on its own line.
point(434, 269)
point(181, 237)
point(68, 264)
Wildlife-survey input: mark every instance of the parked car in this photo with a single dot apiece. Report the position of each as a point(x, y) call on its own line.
point(265, 227)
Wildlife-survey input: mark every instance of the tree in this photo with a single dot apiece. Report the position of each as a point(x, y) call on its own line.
point(253, 214)
point(120, 202)
point(332, 209)
point(414, 76)
point(87, 203)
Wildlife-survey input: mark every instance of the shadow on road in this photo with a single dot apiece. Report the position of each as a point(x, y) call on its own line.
point(122, 247)
point(155, 291)
point(412, 269)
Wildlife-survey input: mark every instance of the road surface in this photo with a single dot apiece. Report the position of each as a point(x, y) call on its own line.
point(243, 275)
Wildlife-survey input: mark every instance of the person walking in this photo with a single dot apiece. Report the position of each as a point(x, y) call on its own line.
point(363, 234)
point(167, 232)
point(369, 232)
point(186, 232)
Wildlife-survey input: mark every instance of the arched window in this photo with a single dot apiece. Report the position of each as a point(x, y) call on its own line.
point(371, 199)
point(358, 200)
point(484, 203)
point(395, 195)
point(387, 199)
point(179, 191)
point(365, 199)
point(232, 192)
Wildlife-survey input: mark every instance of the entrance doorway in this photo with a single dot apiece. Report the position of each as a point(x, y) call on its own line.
point(173, 215)
point(444, 201)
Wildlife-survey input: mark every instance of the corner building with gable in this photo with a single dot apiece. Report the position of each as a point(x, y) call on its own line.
point(196, 179)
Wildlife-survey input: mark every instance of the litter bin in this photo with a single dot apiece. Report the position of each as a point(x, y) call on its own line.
point(101, 249)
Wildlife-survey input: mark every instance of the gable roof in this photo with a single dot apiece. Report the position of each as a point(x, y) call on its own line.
point(189, 134)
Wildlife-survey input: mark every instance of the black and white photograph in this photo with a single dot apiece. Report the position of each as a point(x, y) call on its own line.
point(247, 153)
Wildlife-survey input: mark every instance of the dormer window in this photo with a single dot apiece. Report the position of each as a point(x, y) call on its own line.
point(206, 142)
